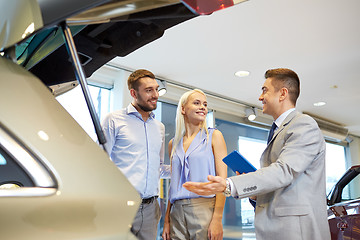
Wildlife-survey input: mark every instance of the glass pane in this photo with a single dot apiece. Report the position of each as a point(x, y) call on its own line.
point(2, 160)
point(351, 191)
point(250, 142)
point(335, 165)
point(166, 113)
point(252, 149)
point(74, 102)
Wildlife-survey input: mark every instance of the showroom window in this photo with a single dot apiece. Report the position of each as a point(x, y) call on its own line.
point(239, 215)
point(74, 102)
point(335, 164)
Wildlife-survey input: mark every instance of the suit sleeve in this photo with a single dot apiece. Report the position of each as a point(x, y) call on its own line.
point(289, 155)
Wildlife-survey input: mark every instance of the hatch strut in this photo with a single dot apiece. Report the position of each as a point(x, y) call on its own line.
point(80, 76)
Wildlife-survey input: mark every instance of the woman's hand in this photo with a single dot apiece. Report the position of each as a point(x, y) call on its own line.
point(166, 230)
point(215, 230)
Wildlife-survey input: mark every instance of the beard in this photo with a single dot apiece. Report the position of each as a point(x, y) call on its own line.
point(143, 106)
point(146, 108)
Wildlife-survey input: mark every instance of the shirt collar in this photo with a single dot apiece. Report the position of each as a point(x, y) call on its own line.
point(132, 110)
point(282, 117)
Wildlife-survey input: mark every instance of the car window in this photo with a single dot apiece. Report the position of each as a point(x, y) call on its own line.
point(351, 190)
point(11, 174)
point(21, 168)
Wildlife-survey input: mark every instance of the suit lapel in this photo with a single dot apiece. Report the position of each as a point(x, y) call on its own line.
point(283, 125)
point(265, 159)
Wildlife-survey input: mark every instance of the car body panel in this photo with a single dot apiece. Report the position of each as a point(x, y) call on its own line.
point(344, 220)
point(344, 215)
point(115, 10)
point(55, 11)
point(37, 14)
point(14, 29)
point(93, 199)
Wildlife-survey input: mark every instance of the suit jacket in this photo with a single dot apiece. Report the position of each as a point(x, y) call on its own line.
point(290, 185)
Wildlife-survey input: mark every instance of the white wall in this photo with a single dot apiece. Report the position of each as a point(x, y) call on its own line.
point(116, 79)
point(120, 95)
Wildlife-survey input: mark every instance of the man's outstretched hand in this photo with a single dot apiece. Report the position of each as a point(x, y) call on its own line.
point(215, 185)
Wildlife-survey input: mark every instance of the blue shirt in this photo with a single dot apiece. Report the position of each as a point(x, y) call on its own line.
point(137, 148)
point(193, 165)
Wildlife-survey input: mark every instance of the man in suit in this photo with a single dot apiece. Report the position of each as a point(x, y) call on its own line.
point(290, 185)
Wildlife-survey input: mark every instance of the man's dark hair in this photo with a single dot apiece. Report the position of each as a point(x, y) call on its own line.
point(285, 78)
point(133, 82)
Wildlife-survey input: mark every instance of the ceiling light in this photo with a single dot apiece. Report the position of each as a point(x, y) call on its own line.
point(242, 73)
point(162, 87)
point(319, 104)
point(250, 113)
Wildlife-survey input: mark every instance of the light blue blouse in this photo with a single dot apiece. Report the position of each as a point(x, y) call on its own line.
point(193, 165)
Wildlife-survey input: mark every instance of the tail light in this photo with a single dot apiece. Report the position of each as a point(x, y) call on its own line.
point(205, 7)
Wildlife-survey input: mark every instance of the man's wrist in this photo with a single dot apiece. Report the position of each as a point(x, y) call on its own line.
point(227, 190)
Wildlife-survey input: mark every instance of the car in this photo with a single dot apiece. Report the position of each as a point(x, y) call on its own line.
point(55, 181)
point(344, 206)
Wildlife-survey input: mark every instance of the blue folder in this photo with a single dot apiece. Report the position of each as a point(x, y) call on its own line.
point(238, 163)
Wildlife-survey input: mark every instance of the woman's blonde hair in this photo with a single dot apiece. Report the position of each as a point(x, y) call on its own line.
point(180, 120)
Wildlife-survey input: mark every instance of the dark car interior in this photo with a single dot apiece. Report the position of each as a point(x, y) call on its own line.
point(97, 43)
point(63, 52)
point(11, 173)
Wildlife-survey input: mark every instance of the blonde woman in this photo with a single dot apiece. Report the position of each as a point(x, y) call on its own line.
point(195, 152)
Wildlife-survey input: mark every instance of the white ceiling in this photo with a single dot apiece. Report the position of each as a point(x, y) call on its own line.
point(319, 39)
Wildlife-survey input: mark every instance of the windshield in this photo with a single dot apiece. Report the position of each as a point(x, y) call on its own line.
point(351, 191)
